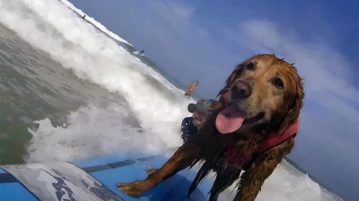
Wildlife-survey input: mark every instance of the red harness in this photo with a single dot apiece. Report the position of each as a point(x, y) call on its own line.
point(239, 159)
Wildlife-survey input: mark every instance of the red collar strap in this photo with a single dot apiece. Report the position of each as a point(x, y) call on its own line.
point(277, 139)
point(239, 159)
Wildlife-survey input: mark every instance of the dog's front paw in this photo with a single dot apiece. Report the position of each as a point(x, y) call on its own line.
point(134, 189)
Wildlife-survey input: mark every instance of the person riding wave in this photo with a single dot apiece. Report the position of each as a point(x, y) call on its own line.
point(191, 88)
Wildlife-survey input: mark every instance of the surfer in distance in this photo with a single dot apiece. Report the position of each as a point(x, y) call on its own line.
point(191, 88)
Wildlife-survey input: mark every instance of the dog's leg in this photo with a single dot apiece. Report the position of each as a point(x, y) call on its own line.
point(224, 179)
point(259, 170)
point(206, 167)
point(216, 163)
point(182, 158)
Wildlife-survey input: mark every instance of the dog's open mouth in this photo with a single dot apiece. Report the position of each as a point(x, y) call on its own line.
point(233, 118)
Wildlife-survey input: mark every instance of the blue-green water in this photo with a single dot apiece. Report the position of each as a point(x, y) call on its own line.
point(34, 87)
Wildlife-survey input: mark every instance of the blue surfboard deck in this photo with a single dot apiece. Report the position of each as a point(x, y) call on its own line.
point(113, 169)
point(12, 189)
point(173, 189)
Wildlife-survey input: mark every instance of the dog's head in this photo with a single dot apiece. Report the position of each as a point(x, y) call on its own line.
point(264, 92)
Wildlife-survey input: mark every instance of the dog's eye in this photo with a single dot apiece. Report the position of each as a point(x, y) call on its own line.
point(250, 66)
point(278, 83)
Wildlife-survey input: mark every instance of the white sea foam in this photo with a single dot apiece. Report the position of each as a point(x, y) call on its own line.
point(156, 104)
point(94, 130)
point(287, 183)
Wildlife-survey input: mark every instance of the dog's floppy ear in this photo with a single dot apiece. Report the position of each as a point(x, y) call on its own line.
point(295, 104)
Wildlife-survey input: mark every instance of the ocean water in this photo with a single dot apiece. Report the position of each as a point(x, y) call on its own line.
point(70, 91)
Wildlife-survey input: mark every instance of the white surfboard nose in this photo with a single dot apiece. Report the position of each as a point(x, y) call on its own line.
point(60, 181)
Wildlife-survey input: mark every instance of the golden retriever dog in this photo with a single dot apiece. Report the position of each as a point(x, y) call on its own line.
point(252, 129)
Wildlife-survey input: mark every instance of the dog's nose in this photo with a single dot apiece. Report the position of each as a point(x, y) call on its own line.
point(242, 89)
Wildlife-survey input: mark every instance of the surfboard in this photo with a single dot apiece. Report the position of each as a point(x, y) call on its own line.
point(94, 179)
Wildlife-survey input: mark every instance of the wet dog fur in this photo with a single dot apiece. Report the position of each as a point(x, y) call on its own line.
point(265, 88)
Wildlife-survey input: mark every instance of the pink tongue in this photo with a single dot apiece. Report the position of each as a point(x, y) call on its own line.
point(226, 124)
